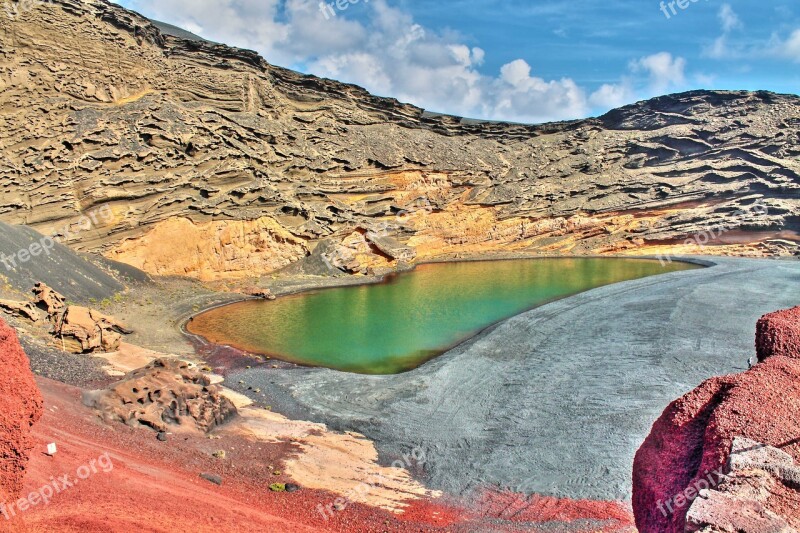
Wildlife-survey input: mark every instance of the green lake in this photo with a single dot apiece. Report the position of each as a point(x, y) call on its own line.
point(412, 317)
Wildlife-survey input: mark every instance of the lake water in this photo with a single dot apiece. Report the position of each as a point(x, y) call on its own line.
point(412, 317)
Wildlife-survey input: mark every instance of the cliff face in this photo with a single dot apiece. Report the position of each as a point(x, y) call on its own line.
point(726, 452)
point(103, 111)
point(20, 408)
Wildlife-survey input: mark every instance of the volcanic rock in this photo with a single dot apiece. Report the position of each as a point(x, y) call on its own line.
point(20, 407)
point(741, 501)
point(24, 309)
point(701, 437)
point(212, 478)
point(778, 334)
point(79, 329)
point(85, 330)
point(49, 301)
point(258, 292)
point(193, 158)
point(166, 395)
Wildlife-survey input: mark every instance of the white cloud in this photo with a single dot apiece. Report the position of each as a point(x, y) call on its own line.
point(664, 70)
point(790, 48)
point(729, 18)
point(390, 54)
point(720, 48)
point(609, 96)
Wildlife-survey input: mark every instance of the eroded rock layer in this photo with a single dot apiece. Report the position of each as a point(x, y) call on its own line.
point(114, 135)
point(166, 394)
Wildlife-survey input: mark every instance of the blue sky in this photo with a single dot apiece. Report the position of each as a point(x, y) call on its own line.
point(519, 60)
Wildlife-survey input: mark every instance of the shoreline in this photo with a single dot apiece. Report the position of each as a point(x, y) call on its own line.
point(321, 284)
point(457, 383)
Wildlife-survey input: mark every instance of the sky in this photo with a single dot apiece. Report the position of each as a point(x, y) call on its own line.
point(515, 60)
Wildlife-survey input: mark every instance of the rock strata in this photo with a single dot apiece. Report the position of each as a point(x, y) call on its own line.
point(185, 157)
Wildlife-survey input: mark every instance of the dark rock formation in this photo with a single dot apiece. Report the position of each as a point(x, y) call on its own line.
point(166, 395)
point(20, 407)
point(181, 156)
point(689, 448)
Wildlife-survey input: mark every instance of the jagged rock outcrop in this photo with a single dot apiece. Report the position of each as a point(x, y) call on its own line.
point(165, 395)
point(78, 329)
point(697, 448)
point(116, 135)
point(21, 406)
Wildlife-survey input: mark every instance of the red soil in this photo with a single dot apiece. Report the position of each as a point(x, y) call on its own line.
point(509, 506)
point(20, 408)
point(155, 487)
point(693, 437)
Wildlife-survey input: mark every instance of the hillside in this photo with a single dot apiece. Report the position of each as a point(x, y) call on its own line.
point(210, 162)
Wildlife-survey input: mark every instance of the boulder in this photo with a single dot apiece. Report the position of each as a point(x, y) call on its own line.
point(700, 439)
point(257, 292)
point(84, 330)
point(48, 300)
point(24, 309)
point(742, 500)
point(166, 395)
point(80, 329)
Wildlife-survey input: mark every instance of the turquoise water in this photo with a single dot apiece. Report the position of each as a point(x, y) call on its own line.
point(412, 317)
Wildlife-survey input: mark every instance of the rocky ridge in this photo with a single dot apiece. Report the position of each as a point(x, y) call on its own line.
point(205, 160)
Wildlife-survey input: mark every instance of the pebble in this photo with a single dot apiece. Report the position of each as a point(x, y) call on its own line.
point(162, 436)
point(212, 478)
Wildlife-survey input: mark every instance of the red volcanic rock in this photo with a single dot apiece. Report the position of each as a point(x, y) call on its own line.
point(689, 446)
point(20, 408)
point(779, 334)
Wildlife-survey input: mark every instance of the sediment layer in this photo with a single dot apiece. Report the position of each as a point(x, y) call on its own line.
point(114, 133)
